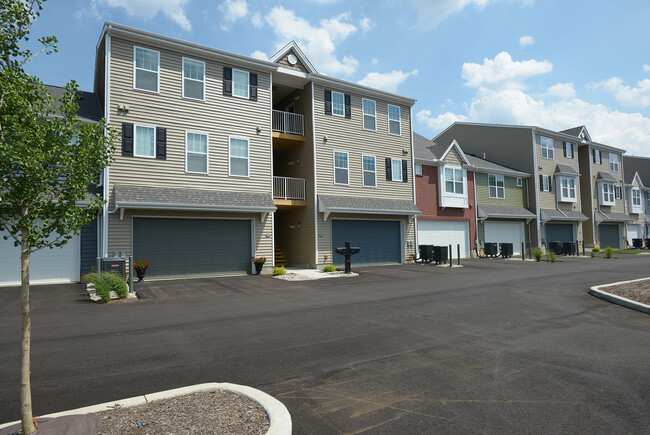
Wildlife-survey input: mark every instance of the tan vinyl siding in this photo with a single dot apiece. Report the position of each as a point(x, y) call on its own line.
point(349, 136)
point(587, 187)
point(325, 234)
point(120, 235)
point(453, 158)
point(549, 200)
point(514, 196)
point(297, 67)
point(219, 116)
point(620, 206)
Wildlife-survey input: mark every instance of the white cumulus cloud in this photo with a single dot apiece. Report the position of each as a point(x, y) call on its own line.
point(627, 96)
point(563, 91)
point(646, 68)
point(386, 81)
point(319, 42)
point(256, 19)
point(257, 54)
point(526, 40)
point(366, 24)
point(438, 122)
point(232, 10)
point(503, 72)
point(144, 9)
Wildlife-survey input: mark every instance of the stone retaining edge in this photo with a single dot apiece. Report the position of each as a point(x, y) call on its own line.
point(619, 300)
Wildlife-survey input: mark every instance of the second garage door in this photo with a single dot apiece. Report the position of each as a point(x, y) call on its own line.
point(609, 236)
point(444, 233)
point(506, 232)
point(633, 232)
point(380, 241)
point(192, 247)
point(559, 233)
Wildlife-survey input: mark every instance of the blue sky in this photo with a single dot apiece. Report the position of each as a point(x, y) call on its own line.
point(552, 63)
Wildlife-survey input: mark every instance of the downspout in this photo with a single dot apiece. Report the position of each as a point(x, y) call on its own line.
point(475, 215)
point(313, 132)
point(415, 221)
point(591, 197)
point(536, 175)
point(107, 116)
point(271, 137)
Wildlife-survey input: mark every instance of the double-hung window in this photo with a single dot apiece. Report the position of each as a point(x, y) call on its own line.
point(341, 168)
point(454, 181)
point(613, 162)
point(193, 79)
point(608, 194)
point(394, 120)
point(338, 103)
point(496, 186)
point(636, 201)
point(520, 182)
point(240, 82)
point(369, 114)
point(238, 157)
point(396, 170)
point(146, 67)
point(568, 150)
point(418, 169)
point(545, 183)
point(196, 152)
point(597, 157)
point(145, 141)
point(567, 189)
point(369, 171)
point(547, 147)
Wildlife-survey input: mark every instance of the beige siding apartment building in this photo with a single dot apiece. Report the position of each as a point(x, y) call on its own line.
point(223, 157)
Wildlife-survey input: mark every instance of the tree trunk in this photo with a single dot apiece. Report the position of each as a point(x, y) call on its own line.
point(25, 363)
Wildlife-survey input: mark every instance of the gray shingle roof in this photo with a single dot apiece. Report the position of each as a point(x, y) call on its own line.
point(428, 150)
point(575, 131)
point(565, 169)
point(171, 198)
point(602, 216)
point(632, 165)
point(89, 108)
point(355, 204)
point(549, 214)
point(480, 163)
point(505, 212)
point(605, 177)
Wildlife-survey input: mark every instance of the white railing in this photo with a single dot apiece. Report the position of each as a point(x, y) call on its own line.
point(287, 122)
point(289, 188)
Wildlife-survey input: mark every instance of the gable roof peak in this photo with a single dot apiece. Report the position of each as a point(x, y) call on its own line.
point(293, 47)
point(579, 131)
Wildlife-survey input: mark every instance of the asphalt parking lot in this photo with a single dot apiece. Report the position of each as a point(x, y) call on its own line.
point(496, 346)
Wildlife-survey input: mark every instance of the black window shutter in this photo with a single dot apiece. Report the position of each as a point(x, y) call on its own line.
point(573, 150)
point(550, 183)
point(541, 183)
point(348, 104)
point(227, 80)
point(127, 139)
point(253, 86)
point(161, 143)
point(405, 172)
point(389, 175)
point(328, 102)
point(566, 152)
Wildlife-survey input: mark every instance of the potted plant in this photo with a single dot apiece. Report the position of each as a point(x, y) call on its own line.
point(141, 267)
point(259, 264)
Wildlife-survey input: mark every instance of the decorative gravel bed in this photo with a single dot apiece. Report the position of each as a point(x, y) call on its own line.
point(210, 412)
point(298, 277)
point(638, 291)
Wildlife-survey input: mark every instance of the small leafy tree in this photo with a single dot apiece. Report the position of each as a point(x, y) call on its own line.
point(48, 160)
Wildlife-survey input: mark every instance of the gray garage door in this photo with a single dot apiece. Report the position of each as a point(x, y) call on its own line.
point(380, 241)
point(192, 247)
point(559, 233)
point(609, 236)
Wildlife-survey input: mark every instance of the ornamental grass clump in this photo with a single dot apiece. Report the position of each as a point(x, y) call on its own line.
point(102, 288)
point(117, 284)
point(551, 256)
point(537, 254)
point(609, 252)
point(329, 268)
point(279, 270)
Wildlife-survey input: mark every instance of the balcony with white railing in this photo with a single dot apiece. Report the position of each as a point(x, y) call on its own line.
point(288, 192)
point(288, 129)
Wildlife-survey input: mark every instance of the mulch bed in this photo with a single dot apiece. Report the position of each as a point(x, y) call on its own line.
point(638, 291)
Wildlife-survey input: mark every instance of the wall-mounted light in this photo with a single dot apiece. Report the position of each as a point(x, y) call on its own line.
point(291, 227)
point(297, 161)
point(405, 151)
point(324, 138)
point(290, 163)
point(298, 225)
point(259, 129)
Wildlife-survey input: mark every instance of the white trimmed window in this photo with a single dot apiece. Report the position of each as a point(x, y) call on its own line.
point(341, 168)
point(520, 182)
point(567, 189)
point(238, 157)
point(613, 162)
point(568, 150)
point(196, 152)
point(607, 194)
point(497, 186)
point(240, 83)
point(546, 183)
point(338, 104)
point(369, 114)
point(597, 157)
point(394, 120)
point(418, 169)
point(635, 201)
point(454, 181)
point(146, 68)
point(145, 141)
point(193, 79)
point(396, 170)
point(369, 171)
point(547, 147)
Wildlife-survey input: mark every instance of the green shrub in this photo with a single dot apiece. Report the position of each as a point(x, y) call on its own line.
point(117, 284)
point(329, 268)
point(593, 253)
point(609, 252)
point(550, 256)
point(279, 270)
point(102, 288)
point(537, 254)
point(595, 249)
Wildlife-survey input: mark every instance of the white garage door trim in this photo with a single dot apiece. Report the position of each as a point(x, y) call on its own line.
point(633, 232)
point(444, 233)
point(46, 266)
point(505, 232)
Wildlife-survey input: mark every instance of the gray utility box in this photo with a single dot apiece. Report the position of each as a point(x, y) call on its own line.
point(114, 264)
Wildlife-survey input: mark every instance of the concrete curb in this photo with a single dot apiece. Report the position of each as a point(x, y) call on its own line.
point(279, 417)
point(625, 302)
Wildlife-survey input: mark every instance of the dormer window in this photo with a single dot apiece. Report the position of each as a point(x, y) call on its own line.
point(635, 201)
point(607, 194)
point(453, 187)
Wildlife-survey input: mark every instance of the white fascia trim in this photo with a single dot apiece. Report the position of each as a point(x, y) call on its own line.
point(292, 72)
point(459, 149)
point(428, 162)
point(291, 45)
point(190, 207)
point(365, 90)
point(369, 211)
point(506, 172)
point(566, 174)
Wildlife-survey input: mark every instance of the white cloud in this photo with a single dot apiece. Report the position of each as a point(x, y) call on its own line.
point(646, 68)
point(386, 81)
point(526, 40)
point(563, 91)
point(374, 61)
point(502, 71)
point(626, 95)
point(439, 122)
point(319, 42)
point(431, 13)
point(259, 55)
point(366, 24)
point(232, 10)
point(144, 9)
point(256, 19)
